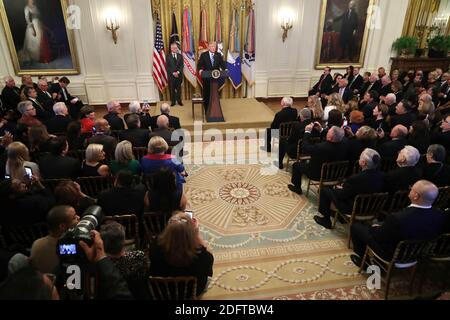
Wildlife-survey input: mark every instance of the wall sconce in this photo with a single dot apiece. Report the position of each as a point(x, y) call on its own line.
point(112, 24)
point(287, 22)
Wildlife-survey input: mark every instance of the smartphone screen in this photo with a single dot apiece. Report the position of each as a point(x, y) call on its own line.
point(189, 213)
point(67, 249)
point(29, 172)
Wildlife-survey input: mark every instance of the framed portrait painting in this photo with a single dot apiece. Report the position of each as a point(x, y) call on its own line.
point(37, 36)
point(343, 33)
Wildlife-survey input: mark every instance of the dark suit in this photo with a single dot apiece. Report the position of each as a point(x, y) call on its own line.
point(367, 110)
point(41, 113)
point(172, 66)
point(166, 135)
point(115, 122)
point(121, 201)
point(366, 182)
point(46, 100)
point(356, 84)
point(109, 143)
point(59, 167)
point(58, 124)
point(441, 138)
point(10, 98)
point(437, 173)
point(320, 153)
point(174, 122)
point(376, 86)
point(409, 224)
point(346, 95)
point(391, 148)
point(349, 26)
point(384, 91)
point(204, 63)
point(323, 86)
point(406, 120)
point(64, 96)
point(137, 137)
point(401, 179)
point(287, 114)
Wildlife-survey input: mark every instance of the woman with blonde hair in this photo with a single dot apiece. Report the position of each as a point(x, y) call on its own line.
point(93, 165)
point(335, 102)
point(18, 163)
point(124, 159)
point(315, 105)
point(181, 252)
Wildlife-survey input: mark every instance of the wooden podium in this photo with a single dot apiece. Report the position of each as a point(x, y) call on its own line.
point(214, 113)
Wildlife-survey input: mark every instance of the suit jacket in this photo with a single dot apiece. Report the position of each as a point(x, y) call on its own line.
point(109, 143)
point(356, 83)
point(204, 62)
point(366, 87)
point(58, 124)
point(174, 122)
point(384, 91)
point(56, 88)
point(46, 101)
point(174, 66)
point(322, 153)
point(137, 137)
point(121, 201)
point(391, 148)
point(409, 224)
point(41, 113)
point(438, 173)
point(366, 182)
point(166, 135)
point(367, 110)
point(114, 121)
point(401, 179)
point(297, 132)
point(441, 138)
point(406, 120)
point(59, 167)
point(347, 93)
point(10, 97)
point(284, 115)
point(325, 87)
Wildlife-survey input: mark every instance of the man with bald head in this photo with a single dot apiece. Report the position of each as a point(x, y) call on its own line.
point(391, 148)
point(103, 136)
point(208, 61)
point(417, 222)
point(163, 131)
point(10, 94)
point(174, 122)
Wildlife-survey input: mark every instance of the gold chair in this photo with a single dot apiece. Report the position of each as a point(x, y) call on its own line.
point(407, 256)
point(140, 152)
point(77, 154)
point(333, 173)
point(51, 184)
point(92, 186)
point(172, 288)
point(286, 129)
point(24, 235)
point(443, 199)
point(399, 201)
point(300, 156)
point(154, 224)
point(131, 225)
point(388, 164)
point(366, 207)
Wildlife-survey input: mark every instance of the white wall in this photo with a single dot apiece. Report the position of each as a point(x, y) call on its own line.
point(123, 71)
point(288, 68)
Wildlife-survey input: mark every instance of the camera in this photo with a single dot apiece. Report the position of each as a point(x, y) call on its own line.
point(68, 248)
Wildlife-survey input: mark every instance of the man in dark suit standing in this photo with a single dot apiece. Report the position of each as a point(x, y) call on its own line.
point(60, 94)
point(10, 94)
point(323, 86)
point(174, 66)
point(349, 28)
point(417, 222)
point(208, 61)
point(370, 180)
point(357, 82)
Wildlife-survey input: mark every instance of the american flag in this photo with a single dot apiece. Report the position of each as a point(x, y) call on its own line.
point(159, 59)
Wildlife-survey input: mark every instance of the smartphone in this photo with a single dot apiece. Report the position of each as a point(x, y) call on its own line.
point(189, 213)
point(7, 177)
point(29, 172)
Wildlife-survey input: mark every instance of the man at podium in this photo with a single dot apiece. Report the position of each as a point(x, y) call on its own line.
point(208, 61)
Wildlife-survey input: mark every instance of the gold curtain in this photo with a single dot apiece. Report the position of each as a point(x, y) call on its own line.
point(165, 9)
point(420, 12)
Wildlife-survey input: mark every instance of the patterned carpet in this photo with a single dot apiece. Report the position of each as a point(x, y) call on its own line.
point(264, 239)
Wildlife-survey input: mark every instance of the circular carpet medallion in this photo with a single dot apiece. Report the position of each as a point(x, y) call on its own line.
point(240, 199)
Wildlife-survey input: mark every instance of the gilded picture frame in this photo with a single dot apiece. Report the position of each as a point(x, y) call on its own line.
point(343, 33)
point(39, 41)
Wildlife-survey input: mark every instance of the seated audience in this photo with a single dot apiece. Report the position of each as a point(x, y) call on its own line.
point(143, 113)
point(181, 252)
point(417, 222)
point(403, 115)
point(123, 198)
point(87, 120)
point(31, 95)
point(380, 114)
point(368, 104)
point(93, 165)
point(343, 91)
point(28, 113)
point(163, 195)
point(391, 102)
point(60, 122)
point(157, 159)
point(163, 131)
point(287, 114)
point(103, 136)
point(356, 121)
point(75, 139)
point(18, 160)
point(138, 137)
point(442, 134)
point(174, 122)
point(385, 87)
point(133, 265)
point(57, 165)
point(38, 140)
point(60, 94)
point(10, 94)
point(435, 170)
point(114, 110)
point(406, 174)
point(69, 193)
point(397, 90)
point(390, 148)
point(43, 255)
point(315, 105)
point(370, 180)
point(333, 149)
point(419, 136)
point(334, 103)
point(45, 97)
point(372, 84)
point(124, 159)
point(356, 83)
point(364, 138)
point(323, 86)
